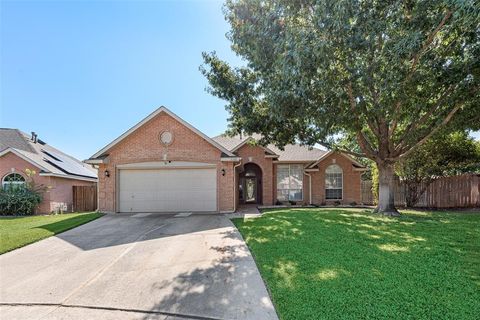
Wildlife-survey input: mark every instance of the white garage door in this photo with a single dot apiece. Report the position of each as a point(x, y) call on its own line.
point(167, 190)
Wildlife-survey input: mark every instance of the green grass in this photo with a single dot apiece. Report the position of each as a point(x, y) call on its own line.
point(16, 232)
point(351, 264)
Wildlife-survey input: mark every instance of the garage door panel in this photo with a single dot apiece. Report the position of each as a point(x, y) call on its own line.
point(157, 190)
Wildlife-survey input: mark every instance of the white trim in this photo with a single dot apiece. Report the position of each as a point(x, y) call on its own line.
point(289, 174)
point(241, 144)
point(312, 170)
point(56, 175)
point(271, 156)
point(15, 152)
point(167, 165)
point(325, 174)
point(230, 159)
point(309, 187)
point(235, 191)
point(151, 116)
point(96, 161)
point(292, 161)
point(17, 182)
point(338, 152)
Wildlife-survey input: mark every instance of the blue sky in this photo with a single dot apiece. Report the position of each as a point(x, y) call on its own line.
point(80, 73)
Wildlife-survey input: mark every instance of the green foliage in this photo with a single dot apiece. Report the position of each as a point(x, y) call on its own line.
point(19, 231)
point(389, 74)
point(18, 201)
point(443, 155)
point(350, 264)
point(308, 59)
point(21, 199)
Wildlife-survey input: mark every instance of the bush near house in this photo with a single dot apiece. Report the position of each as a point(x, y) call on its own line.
point(19, 201)
point(19, 196)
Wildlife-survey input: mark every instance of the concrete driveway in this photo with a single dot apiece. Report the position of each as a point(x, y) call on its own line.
point(136, 266)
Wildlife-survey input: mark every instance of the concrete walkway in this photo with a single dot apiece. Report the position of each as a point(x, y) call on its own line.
point(143, 266)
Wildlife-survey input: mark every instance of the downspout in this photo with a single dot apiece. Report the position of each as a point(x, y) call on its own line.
point(235, 185)
point(309, 187)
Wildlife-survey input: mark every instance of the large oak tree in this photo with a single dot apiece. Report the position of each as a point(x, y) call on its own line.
point(388, 73)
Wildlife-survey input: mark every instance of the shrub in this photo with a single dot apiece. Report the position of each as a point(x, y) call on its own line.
point(19, 201)
point(22, 199)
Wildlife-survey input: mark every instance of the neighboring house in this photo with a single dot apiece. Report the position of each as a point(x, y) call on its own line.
point(163, 164)
point(54, 169)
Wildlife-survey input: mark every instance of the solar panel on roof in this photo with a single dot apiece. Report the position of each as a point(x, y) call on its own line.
point(67, 164)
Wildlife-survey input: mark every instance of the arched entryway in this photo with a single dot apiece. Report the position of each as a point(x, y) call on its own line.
point(250, 184)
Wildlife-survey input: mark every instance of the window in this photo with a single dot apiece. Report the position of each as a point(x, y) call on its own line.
point(290, 182)
point(333, 182)
point(12, 181)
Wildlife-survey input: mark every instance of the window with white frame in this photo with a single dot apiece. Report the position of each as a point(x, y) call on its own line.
point(13, 181)
point(290, 182)
point(333, 182)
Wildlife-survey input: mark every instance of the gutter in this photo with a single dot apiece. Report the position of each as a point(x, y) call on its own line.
point(235, 185)
point(309, 187)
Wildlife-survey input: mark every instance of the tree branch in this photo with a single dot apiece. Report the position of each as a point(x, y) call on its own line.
point(415, 60)
point(407, 150)
point(416, 124)
point(427, 43)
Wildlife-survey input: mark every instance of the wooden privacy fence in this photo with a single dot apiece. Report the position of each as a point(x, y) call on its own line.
point(449, 192)
point(84, 198)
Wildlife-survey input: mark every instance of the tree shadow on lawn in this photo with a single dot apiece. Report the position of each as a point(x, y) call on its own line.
point(343, 263)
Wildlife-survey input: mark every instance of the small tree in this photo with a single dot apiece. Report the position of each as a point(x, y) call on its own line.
point(442, 155)
point(390, 74)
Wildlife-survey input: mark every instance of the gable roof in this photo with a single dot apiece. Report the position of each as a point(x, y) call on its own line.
point(291, 152)
point(160, 110)
point(355, 162)
point(48, 159)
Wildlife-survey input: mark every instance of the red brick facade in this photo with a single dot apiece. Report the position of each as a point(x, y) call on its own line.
point(143, 145)
point(59, 194)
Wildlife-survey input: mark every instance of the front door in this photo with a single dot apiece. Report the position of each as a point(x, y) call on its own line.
point(250, 190)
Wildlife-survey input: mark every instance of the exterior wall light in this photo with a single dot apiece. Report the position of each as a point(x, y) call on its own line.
point(107, 173)
point(223, 172)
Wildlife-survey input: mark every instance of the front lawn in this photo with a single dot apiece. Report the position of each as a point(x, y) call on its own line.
point(16, 232)
point(351, 264)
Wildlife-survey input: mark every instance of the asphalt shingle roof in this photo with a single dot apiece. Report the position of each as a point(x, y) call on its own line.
point(291, 152)
point(48, 158)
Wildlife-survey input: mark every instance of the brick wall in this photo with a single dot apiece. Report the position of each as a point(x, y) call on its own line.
point(143, 145)
point(351, 181)
point(257, 155)
point(59, 192)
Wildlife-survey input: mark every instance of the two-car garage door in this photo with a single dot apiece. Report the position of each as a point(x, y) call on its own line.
point(167, 190)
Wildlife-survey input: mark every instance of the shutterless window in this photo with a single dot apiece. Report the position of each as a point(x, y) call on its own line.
point(290, 182)
point(13, 181)
point(333, 182)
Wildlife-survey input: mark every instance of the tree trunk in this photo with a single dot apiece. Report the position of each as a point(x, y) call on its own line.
point(386, 205)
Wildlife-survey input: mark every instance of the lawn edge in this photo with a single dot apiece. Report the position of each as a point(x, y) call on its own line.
point(98, 215)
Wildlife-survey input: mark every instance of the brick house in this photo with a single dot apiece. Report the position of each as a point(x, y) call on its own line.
point(54, 169)
point(164, 164)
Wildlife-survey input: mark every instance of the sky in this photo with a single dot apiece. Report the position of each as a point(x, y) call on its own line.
point(80, 73)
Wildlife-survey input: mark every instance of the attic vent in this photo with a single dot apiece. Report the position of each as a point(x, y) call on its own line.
point(51, 155)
